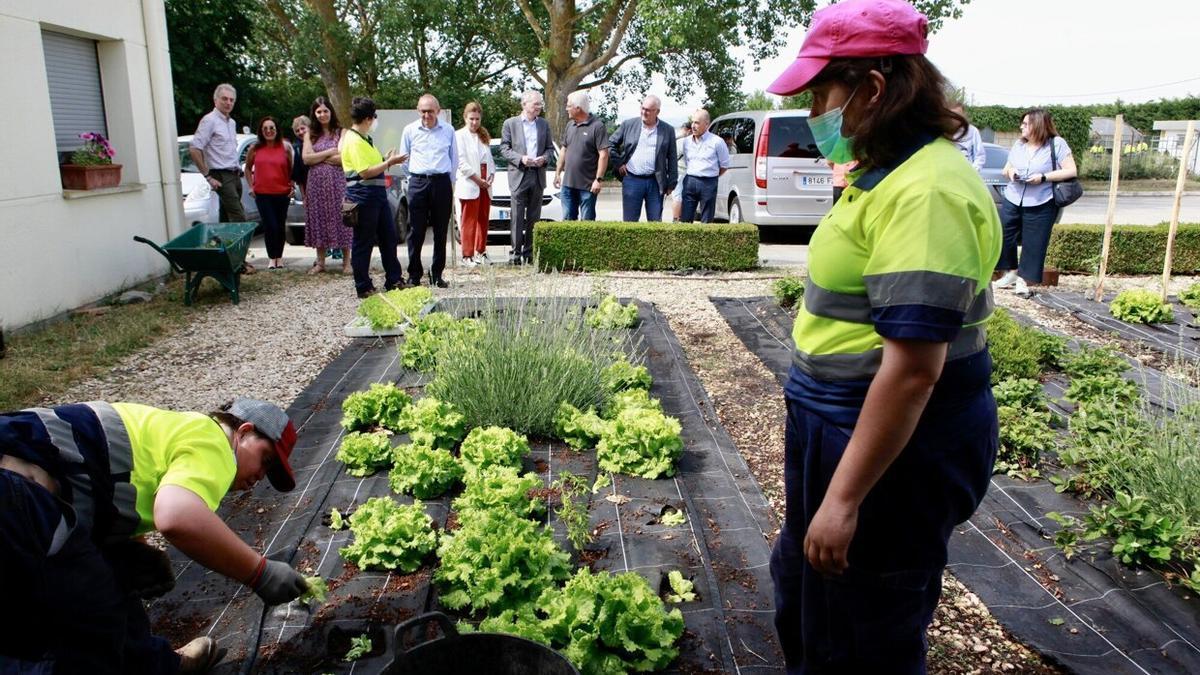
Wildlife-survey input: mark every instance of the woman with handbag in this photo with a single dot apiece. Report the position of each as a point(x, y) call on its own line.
point(326, 187)
point(1037, 160)
point(476, 170)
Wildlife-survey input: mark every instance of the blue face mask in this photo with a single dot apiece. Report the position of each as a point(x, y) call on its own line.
point(827, 134)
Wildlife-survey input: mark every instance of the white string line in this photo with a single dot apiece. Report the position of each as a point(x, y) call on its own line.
point(691, 521)
point(620, 529)
point(760, 323)
point(1059, 602)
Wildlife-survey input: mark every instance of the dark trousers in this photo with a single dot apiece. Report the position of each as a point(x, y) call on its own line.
point(526, 210)
point(429, 202)
point(639, 190)
point(699, 194)
point(375, 226)
point(1029, 227)
point(578, 203)
point(73, 616)
point(273, 211)
point(229, 195)
point(872, 619)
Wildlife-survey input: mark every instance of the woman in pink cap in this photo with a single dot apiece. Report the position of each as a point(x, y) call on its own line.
point(891, 431)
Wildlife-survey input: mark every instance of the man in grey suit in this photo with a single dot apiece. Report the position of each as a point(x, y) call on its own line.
point(643, 150)
point(526, 145)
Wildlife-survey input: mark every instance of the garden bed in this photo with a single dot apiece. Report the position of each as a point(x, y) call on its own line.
point(722, 545)
point(1179, 339)
point(1090, 614)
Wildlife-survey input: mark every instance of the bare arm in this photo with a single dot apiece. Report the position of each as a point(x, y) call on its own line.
point(1066, 170)
point(895, 401)
point(198, 159)
point(601, 167)
point(248, 169)
point(185, 520)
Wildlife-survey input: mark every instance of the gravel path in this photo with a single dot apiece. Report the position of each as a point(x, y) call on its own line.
point(271, 346)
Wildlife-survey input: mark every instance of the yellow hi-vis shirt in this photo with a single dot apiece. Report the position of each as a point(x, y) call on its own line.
point(357, 154)
point(906, 253)
point(175, 448)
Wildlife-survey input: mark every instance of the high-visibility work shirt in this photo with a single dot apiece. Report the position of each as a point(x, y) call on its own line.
point(186, 449)
point(907, 253)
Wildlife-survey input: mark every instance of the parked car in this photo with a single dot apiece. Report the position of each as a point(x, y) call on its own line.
point(776, 176)
point(199, 201)
point(992, 172)
point(500, 216)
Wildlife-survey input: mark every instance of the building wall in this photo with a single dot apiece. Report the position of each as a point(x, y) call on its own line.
point(66, 249)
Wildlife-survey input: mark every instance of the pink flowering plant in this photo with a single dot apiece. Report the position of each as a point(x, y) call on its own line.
point(96, 150)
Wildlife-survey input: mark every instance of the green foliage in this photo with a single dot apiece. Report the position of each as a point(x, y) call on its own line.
point(1138, 305)
point(622, 375)
point(645, 246)
point(1016, 350)
point(499, 487)
point(424, 472)
point(316, 592)
point(573, 491)
point(434, 422)
point(1093, 361)
point(388, 536)
point(682, 589)
point(1074, 123)
point(1143, 535)
point(392, 308)
point(1135, 249)
point(498, 560)
point(365, 453)
point(1025, 435)
point(360, 646)
point(631, 399)
point(578, 429)
point(788, 291)
point(1105, 388)
point(198, 30)
point(488, 447)
point(610, 314)
point(1052, 350)
point(1138, 162)
point(1190, 296)
point(336, 521)
point(431, 334)
point(534, 354)
point(1019, 393)
point(640, 442)
point(380, 406)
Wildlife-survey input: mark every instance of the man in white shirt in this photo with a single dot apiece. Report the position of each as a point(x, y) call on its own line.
point(706, 157)
point(432, 155)
point(643, 150)
point(214, 151)
point(526, 145)
point(970, 143)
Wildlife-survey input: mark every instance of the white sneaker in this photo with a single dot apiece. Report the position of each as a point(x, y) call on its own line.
point(1010, 277)
point(481, 259)
point(469, 262)
point(1021, 288)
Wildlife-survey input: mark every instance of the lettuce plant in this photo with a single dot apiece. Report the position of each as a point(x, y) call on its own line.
point(498, 560)
point(631, 399)
point(500, 487)
point(640, 442)
point(432, 333)
point(492, 447)
point(389, 536)
point(611, 314)
point(1138, 305)
point(434, 423)
point(379, 406)
point(365, 453)
point(580, 430)
point(622, 375)
point(424, 472)
point(388, 310)
point(1190, 296)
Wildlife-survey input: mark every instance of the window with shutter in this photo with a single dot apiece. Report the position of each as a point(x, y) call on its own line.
point(76, 96)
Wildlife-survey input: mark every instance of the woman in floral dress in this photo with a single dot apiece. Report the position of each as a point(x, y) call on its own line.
point(326, 187)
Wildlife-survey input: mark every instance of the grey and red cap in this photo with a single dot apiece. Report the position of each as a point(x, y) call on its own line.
point(271, 421)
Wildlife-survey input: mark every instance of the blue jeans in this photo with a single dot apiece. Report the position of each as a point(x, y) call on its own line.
point(699, 194)
point(577, 200)
point(636, 190)
point(1029, 227)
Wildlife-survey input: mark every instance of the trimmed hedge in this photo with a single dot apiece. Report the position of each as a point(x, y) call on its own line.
point(1136, 249)
point(602, 245)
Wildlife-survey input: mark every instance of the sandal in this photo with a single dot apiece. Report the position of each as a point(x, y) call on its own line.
point(316, 268)
point(346, 269)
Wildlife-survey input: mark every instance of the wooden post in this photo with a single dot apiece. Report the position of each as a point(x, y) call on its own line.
point(1113, 180)
point(1188, 139)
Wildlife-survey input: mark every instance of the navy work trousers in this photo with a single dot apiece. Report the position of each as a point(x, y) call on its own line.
point(375, 226)
point(429, 202)
point(638, 190)
point(66, 612)
point(699, 194)
point(1029, 227)
point(872, 619)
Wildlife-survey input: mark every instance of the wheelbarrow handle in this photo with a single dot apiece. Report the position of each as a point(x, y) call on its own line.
point(175, 266)
point(443, 621)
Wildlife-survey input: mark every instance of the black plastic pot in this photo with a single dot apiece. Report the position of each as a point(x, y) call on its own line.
point(454, 652)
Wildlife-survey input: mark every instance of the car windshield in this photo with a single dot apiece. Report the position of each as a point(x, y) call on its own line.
point(996, 157)
point(185, 159)
point(502, 163)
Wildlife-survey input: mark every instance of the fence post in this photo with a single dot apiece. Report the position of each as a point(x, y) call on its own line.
point(1113, 180)
point(1180, 181)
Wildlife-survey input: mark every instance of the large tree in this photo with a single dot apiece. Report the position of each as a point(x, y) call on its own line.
point(209, 42)
point(567, 45)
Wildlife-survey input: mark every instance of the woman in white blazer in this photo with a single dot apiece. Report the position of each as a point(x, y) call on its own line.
point(476, 170)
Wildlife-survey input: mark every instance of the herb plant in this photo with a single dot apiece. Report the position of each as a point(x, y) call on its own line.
point(1016, 350)
point(788, 291)
point(489, 447)
point(390, 309)
point(611, 314)
point(500, 487)
point(360, 646)
point(1025, 435)
point(1138, 305)
point(424, 472)
point(1190, 296)
point(1093, 388)
point(434, 423)
point(365, 453)
point(573, 512)
point(1019, 393)
point(1094, 361)
point(640, 442)
point(388, 536)
point(379, 406)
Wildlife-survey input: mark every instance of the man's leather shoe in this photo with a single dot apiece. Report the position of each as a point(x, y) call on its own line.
point(440, 283)
point(362, 295)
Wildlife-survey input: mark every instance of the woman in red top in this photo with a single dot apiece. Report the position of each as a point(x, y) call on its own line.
point(269, 172)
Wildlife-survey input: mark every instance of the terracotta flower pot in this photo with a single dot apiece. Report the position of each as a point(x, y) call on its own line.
point(1049, 277)
point(79, 177)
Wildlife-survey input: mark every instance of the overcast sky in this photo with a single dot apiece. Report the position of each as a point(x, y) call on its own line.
point(1026, 52)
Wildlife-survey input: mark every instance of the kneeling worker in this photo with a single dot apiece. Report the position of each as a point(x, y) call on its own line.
point(80, 483)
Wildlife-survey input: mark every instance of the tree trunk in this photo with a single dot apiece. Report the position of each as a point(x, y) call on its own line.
point(558, 87)
point(335, 72)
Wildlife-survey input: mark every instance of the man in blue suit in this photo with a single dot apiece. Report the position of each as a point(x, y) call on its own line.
point(643, 150)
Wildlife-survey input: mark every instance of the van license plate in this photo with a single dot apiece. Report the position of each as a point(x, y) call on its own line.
point(815, 181)
point(503, 214)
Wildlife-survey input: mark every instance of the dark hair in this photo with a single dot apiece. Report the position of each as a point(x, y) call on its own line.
point(362, 108)
point(1041, 125)
point(262, 141)
point(315, 128)
point(914, 104)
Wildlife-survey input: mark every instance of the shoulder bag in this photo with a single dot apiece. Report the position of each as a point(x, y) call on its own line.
point(1066, 192)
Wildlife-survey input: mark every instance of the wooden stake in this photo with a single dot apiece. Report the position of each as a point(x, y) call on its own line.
point(1188, 139)
point(1113, 180)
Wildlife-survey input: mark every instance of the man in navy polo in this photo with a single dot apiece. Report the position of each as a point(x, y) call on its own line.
point(432, 156)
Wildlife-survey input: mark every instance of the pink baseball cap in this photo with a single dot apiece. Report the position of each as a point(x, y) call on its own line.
point(854, 29)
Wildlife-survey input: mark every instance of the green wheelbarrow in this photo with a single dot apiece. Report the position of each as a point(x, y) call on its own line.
point(216, 250)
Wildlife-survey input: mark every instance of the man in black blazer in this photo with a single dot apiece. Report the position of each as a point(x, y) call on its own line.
point(526, 144)
point(643, 150)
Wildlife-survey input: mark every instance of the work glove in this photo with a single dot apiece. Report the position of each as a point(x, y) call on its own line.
point(278, 583)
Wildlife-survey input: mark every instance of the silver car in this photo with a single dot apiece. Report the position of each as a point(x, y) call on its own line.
point(776, 176)
point(993, 170)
